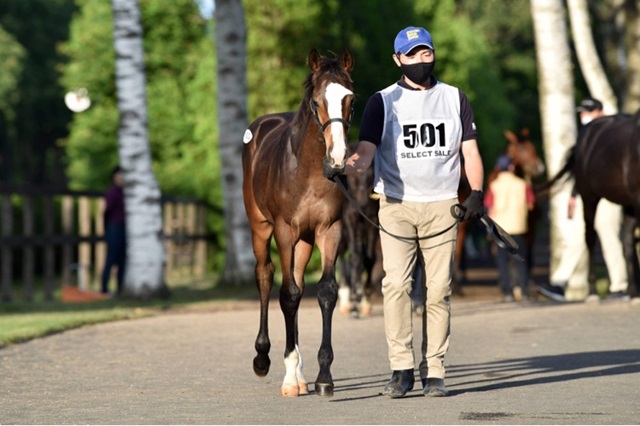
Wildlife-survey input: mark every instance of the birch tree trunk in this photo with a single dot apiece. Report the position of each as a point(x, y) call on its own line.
point(632, 42)
point(590, 63)
point(232, 118)
point(559, 135)
point(144, 277)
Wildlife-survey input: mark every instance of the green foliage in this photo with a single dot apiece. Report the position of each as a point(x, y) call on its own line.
point(181, 99)
point(507, 29)
point(464, 59)
point(11, 57)
point(30, 153)
point(280, 34)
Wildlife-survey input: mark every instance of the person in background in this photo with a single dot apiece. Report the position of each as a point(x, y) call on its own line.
point(509, 199)
point(115, 232)
point(417, 129)
point(608, 225)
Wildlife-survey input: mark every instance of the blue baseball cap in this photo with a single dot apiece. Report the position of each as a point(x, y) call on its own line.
point(411, 37)
point(503, 162)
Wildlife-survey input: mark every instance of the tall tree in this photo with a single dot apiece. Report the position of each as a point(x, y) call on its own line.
point(41, 117)
point(590, 63)
point(555, 86)
point(11, 56)
point(232, 122)
point(145, 250)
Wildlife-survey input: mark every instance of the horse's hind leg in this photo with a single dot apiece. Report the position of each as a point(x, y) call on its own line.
point(629, 241)
point(264, 280)
point(590, 238)
point(327, 297)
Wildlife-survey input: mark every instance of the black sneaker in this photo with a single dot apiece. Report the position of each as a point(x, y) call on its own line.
point(435, 387)
point(401, 382)
point(553, 292)
point(618, 295)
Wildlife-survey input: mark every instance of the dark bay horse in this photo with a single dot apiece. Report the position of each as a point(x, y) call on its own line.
point(604, 164)
point(360, 252)
point(286, 196)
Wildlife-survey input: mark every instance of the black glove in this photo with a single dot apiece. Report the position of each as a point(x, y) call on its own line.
point(473, 206)
point(329, 172)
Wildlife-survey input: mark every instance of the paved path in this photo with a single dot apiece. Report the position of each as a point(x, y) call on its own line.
point(535, 363)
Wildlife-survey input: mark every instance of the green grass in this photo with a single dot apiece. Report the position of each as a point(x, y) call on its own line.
point(22, 321)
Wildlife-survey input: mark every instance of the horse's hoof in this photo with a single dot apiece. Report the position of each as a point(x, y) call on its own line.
point(261, 364)
point(290, 391)
point(304, 388)
point(324, 389)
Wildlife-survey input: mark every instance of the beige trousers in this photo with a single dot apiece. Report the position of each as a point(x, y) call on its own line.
point(399, 259)
point(608, 225)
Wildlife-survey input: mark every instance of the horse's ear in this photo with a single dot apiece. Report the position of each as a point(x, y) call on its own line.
point(347, 60)
point(511, 137)
point(314, 60)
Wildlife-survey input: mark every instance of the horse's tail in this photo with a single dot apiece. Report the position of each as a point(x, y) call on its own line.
point(569, 163)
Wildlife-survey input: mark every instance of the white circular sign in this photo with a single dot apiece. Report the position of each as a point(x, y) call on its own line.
point(247, 136)
point(77, 100)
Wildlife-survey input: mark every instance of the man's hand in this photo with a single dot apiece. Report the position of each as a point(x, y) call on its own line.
point(473, 206)
point(329, 172)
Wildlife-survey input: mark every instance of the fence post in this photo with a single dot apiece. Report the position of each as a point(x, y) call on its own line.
point(67, 229)
point(7, 250)
point(168, 233)
point(190, 227)
point(28, 262)
point(101, 246)
point(84, 249)
point(49, 252)
point(201, 243)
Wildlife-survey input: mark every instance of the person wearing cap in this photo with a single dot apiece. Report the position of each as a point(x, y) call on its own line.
point(608, 225)
point(115, 232)
point(509, 199)
point(414, 132)
point(589, 109)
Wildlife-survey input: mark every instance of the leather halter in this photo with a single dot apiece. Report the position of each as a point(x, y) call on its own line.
point(314, 109)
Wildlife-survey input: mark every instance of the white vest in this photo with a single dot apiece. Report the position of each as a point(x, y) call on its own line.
point(418, 157)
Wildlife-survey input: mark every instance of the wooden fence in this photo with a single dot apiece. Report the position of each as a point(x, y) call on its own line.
point(50, 238)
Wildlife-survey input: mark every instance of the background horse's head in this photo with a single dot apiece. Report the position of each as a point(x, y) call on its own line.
point(523, 153)
point(329, 93)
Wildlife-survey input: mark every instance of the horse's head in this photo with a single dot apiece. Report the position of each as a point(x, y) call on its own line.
point(523, 153)
point(331, 102)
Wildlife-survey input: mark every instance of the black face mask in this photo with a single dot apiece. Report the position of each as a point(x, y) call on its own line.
point(419, 73)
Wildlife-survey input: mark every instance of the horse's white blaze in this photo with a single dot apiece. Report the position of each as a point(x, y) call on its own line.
point(291, 366)
point(335, 93)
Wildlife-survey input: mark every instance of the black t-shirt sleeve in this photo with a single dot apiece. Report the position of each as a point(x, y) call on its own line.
point(372, 123)
point(466, 116)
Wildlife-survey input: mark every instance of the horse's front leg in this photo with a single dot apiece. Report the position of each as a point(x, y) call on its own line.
point(328, 241)
point(302, 253)
point(290, 296)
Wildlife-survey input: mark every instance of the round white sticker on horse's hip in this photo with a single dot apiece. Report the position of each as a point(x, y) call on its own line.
point(247, 136)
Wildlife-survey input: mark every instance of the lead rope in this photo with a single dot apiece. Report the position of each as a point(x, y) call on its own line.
point(456, 212)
